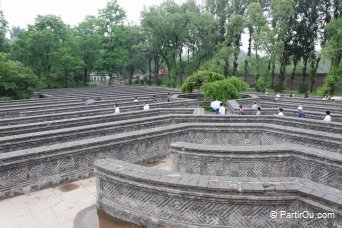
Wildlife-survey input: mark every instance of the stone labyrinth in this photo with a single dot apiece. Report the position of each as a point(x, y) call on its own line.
point(227, 171)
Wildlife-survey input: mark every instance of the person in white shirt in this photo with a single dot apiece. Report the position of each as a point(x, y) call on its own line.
point(146, 106)
point(135, 100)
point(327, 117)
point(255, 105)
point(258, 113)
point(222, 110)
point(281, 112)
point(116, 108)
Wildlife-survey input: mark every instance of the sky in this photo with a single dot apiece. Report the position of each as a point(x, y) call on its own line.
point(23, 12)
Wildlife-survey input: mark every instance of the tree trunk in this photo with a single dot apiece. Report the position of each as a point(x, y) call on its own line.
point(85, 75)
point(149, 70)
point(294, 71)
point(131, 72)
point(66, 78)
point(225, 68)
point(235, 64)
point(304, 70)
point(257, 64)
point(273, 67)
point(249, 53)
point(246, 67)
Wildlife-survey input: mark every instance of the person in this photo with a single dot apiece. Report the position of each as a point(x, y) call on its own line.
point(116, 108)
point(222, 110)
point(333, 101)
point(301, 113)
point(258, 113)
point(280, 113)
point(277, 97)
point(306, 95)
point(291, 95)
point(255, 105)
point(146, 106)
point(241, 111)
point(325, 98)
point(136, 99)
point(168, 97)
point(327, 117)
point(154, 98)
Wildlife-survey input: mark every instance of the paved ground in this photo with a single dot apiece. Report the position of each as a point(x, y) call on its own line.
point(67, 206)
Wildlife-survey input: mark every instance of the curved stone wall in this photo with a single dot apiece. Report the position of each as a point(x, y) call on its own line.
point(157, 198)
point(258, 161)
point(28, 170)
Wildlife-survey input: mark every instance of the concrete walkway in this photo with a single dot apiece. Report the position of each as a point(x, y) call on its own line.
point(59, 207)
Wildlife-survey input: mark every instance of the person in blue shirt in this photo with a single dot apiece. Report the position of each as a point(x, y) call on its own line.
point(301, 113)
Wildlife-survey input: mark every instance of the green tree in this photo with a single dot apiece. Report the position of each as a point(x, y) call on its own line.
point(235, 28)
point(16, 80)
point(88, 36)
point(113, 52)
point(3, 30)
point(333, 50)
point(255, 22)
point(196, 80)
point(224, 90)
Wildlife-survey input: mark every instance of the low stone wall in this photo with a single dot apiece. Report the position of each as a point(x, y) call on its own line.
point(286, 160)
point(185, 103)
point(158, 198)
point(233, 109)
point(87, 121)
point(29, 170)
point(130, 123)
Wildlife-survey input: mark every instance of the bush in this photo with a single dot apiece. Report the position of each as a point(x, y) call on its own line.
point(261, 85)
point(159, 82)
point(172, 79)
point(17, 81)
point(303, 88)
point(207, 108)
point(238, 83)
point(331, 81)
point(196, 80)
point(220, 90)
point(279, 87)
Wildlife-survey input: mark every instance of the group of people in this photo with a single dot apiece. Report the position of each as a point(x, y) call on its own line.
point(146, 105)
point(117, 109)
point(301, 113)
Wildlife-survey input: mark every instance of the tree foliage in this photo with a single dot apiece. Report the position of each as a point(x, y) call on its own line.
point(179, 39)
point(196, 80)
point(225, 89)
point(16, 80)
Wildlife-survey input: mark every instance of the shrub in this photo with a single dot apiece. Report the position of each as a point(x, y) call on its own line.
point(238, 83)
point(159, 82)
point(222, 90)
point(331, 81)
point(196, 80)
point(262, 82)
point(17, 81)
point(303, 88)
point(279, 87)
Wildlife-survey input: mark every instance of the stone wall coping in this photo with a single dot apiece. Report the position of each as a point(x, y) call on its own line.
point(103, 116)
point(95, 110)
point(166, 117)
point(86, 144)
point(96, 94)
point(217, 186)
point(280, 150)
point(306, 106)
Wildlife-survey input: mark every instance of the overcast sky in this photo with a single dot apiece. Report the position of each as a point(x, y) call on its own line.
point(23, 12)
